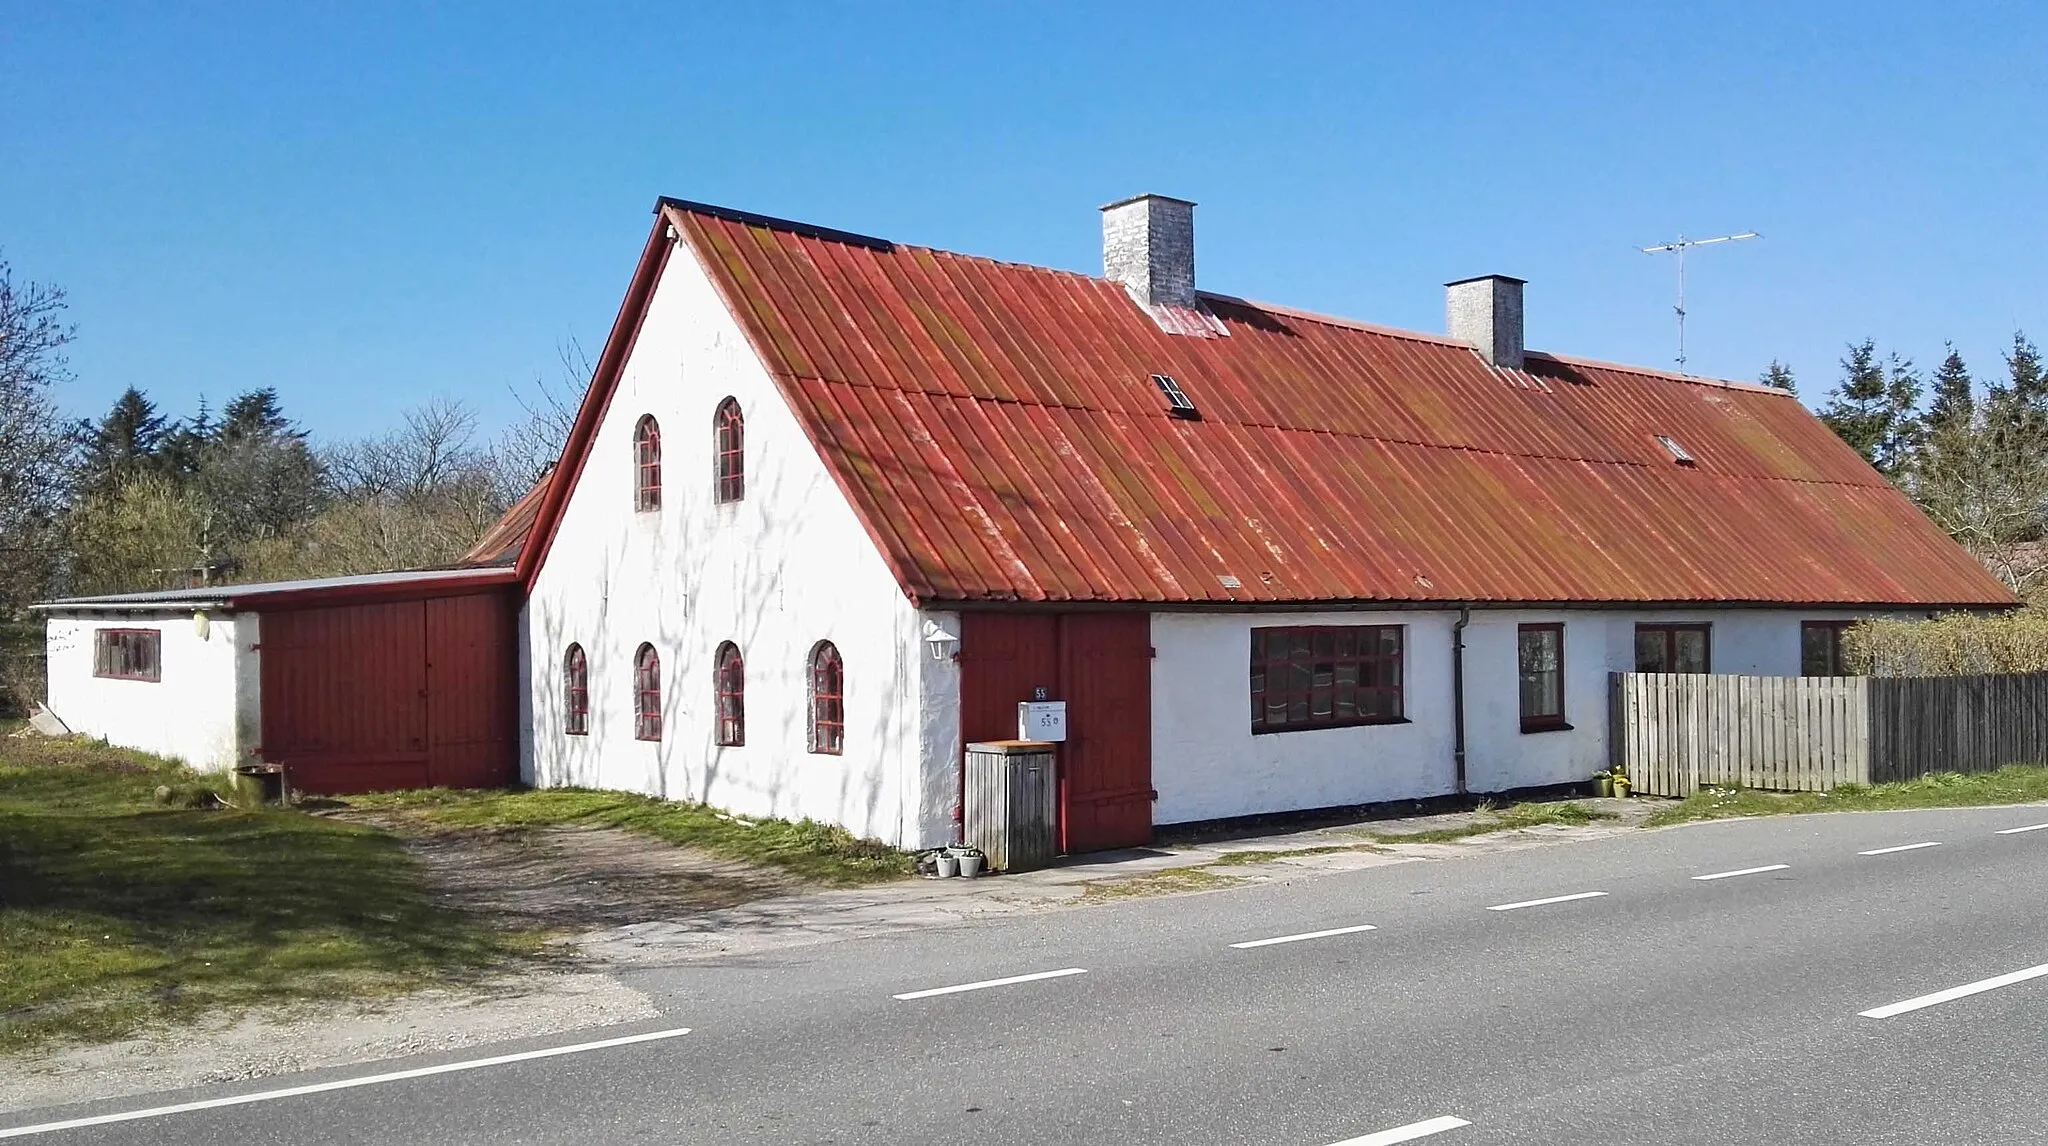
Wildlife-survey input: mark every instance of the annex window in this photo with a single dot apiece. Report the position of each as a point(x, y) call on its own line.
point(729, 442)
point(1325, 676)
point(1820, 648)
point(828, 700)
point(647, 464)
point(1539, 656)
point(575, 692)
point(730, 679)
point(646, 694)
point(127, 654)
point(1674, 648)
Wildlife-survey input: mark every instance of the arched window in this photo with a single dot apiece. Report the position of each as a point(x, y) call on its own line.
point(729, 434)
point(647, 464)
point(828, 700)
point(647, 694)
point(575, 692)
point(730, 676)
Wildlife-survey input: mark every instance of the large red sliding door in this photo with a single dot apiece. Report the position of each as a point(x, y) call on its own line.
point(1101, 665)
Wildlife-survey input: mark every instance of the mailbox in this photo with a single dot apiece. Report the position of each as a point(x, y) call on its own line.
point(1044, 721)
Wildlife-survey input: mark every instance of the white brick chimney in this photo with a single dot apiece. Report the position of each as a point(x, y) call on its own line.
point(1148, 245)
point(1487, 312)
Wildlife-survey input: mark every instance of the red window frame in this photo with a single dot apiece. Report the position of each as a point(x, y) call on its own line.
point(729, 444)
point(1830, 654)
point(1327, 676)
point(1668, 634)
point(1536, 721)
point(576, 691)
point(647, 464)
point(828, 700)
point(729, 679)
point(128, 654)
point(646, 694)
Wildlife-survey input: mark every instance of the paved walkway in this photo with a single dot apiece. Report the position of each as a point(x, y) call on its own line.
point(1172, 866)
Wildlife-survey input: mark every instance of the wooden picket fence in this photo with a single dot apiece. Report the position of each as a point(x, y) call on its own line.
point(1676, 732)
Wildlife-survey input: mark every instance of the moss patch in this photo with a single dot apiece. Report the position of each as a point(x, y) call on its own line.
point(1518, 816)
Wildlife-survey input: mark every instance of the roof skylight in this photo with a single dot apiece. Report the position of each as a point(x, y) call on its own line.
point(1177, 403)
point(1678, 453)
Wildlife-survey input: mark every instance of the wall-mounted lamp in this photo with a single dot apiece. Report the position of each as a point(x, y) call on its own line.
point(939, 641)
point(201, 625)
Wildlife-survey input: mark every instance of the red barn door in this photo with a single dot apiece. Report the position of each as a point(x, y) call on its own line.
point(1100, 664)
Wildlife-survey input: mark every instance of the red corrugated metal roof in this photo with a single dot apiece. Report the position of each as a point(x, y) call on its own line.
point(996, 428)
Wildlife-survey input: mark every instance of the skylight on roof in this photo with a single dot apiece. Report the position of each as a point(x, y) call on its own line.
point(1678, 453)
point(1177, 403)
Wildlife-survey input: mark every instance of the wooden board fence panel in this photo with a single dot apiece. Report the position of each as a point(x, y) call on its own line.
point(1921, 725)
point(1676, 732)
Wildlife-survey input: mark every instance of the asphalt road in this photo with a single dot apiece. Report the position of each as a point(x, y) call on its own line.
point(1668, 1009)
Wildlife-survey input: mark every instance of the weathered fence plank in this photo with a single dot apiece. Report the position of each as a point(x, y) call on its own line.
point(1675, 732)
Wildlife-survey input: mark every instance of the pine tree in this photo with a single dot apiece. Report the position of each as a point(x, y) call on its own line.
point(1873, 408)
point(1778, 376)
point(1954, 406)
point(125, 442)
point(256, 413)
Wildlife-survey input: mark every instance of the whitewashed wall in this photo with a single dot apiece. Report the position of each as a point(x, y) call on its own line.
point(785, 567)
point(1207, 764)
point(205, 709)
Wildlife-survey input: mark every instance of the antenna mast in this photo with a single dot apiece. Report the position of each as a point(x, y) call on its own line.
point(1679, 248)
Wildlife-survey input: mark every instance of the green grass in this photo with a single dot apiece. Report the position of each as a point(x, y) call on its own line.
point(819, 853)
point(1516, 816)
point(119, 913)
point(1235, 859)
point(1172, 881)
point(2013, 784)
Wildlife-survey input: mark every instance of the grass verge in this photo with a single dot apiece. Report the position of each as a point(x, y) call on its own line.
point(2012, 784)
point(116, 912)
point(1490, 820)
point(821, 853)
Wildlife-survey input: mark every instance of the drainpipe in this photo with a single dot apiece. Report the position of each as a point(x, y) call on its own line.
point(1458, 693)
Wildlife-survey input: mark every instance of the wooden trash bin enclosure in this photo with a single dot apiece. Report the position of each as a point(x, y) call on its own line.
point(1012, 803)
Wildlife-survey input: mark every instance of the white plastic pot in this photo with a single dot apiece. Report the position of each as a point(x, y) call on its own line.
point(970, 866)
point(949, 866)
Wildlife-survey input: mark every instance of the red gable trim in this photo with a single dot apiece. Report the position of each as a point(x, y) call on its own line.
point(618, 346)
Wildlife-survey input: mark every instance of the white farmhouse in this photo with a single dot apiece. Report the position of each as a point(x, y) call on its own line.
point(834, 505)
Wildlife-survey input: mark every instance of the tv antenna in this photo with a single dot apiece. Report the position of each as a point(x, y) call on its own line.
point(1679, 248)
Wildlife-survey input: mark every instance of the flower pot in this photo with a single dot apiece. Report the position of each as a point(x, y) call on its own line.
point(970, 866)
point(948, 865)
point(1603, 785)
point(1620, 787)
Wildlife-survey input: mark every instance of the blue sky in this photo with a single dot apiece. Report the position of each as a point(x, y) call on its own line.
point(363, 205)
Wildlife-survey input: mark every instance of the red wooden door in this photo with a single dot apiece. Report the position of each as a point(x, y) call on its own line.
point(345, 696)
point(1106, 763)
point(471, 698)
point(1100, 664)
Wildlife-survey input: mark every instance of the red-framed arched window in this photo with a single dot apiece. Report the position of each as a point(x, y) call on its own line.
point(647, 464)
point(729, 442)
point(730, 677)
point(647, 694)
point(828, 700)
point(575, 692)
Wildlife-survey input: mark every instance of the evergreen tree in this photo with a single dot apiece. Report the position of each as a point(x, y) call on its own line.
point(1954, 406)
point(1872, 408)
point(1778, 376)
point(256, 413)
point(125, 442)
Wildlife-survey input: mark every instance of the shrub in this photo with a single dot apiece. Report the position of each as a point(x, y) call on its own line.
point(1955, 644)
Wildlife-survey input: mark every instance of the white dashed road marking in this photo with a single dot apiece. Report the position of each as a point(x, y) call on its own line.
point(1542, 902)
point(1305, 935)
point(1900, 848)
point(2017, 831)
point(987, 983)
point(1408, 1133)
point(1745, 871)
point(1954, 993)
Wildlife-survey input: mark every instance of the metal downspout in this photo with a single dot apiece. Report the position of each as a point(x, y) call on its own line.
point(1458, 693)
